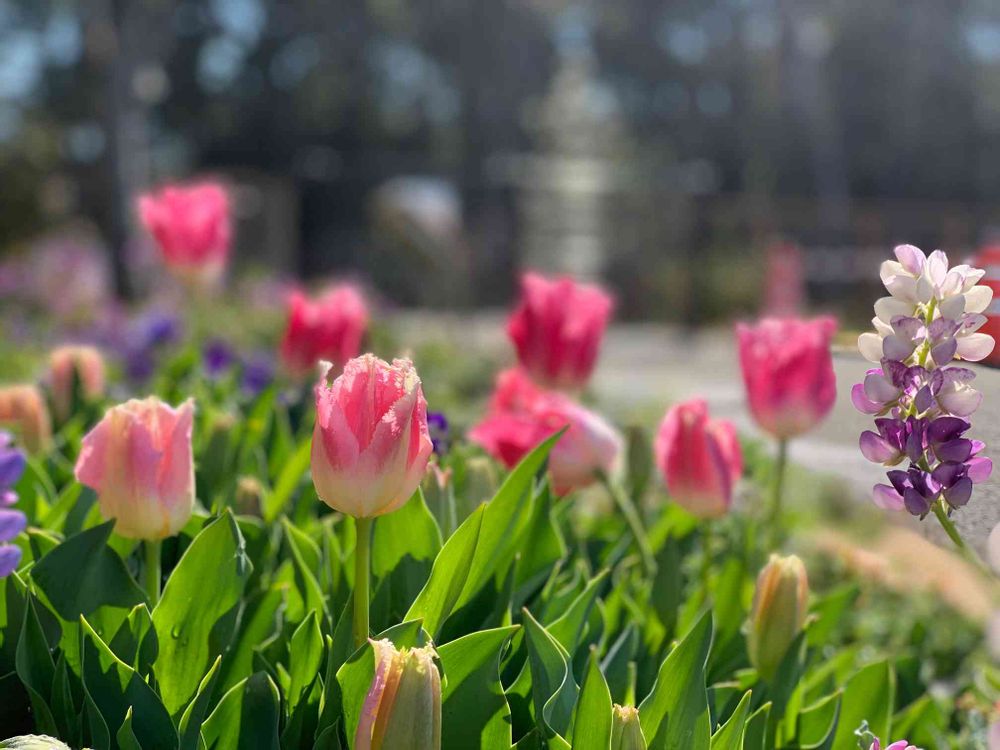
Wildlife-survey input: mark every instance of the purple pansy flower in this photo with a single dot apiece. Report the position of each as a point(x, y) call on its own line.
point(437, 425)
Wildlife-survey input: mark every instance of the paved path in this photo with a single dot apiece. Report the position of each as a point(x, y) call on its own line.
point(645, 366)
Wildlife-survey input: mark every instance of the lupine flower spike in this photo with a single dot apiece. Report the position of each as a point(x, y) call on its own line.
point(12, 522)
point(921, 401)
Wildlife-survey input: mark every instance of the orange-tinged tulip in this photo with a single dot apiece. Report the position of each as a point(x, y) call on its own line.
point(778, 614)
point(403, 705)
point(87, 364)
point(23, 411)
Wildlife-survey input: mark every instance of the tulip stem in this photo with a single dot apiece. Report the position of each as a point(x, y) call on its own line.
point(777, 489)
point(151, 570)
point(631, 514)
point(964, 549)
point(362, 563)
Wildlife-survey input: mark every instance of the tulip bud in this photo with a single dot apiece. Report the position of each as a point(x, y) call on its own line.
point(370, 445)
point(778, 613)
point(191, 226)
point(249, 495)
point(403, 705)
point(328, 328)
point(23, 410)
point(557, 329)
point(138, 460)
point(82, 363)
point(700, 459)
point(626, 732)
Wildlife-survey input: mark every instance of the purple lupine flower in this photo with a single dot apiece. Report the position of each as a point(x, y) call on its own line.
point(921, 402)
point(437, 424)
point(12, 522)
point(217, 357)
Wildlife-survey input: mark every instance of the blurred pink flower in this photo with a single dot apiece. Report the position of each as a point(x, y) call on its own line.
point(330, 328)
point(87, 364)
point(191, 226)
point(788, 372)
point(138, 460)
point(371, 444)
point(521, 416)
point(23, 410)
point(557, 329)
point(700, 459)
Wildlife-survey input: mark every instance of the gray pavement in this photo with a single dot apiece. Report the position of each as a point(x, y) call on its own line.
point(643, 367)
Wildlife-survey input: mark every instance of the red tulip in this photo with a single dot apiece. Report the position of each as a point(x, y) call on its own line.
point(87, 364)
point(788, 372)
point(328, 328)
point(522, 416)
point(138, 460)
point(557, 329)
point(371, 443)
point(700, 459)
point(191, 226)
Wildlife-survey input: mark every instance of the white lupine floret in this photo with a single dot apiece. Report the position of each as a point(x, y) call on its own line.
point(913, 280)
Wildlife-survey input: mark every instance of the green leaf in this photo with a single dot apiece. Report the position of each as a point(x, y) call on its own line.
point(592, 724)
point(868, 696)
point(258, 623)
point(204, 587)
point(135, 641)
point(569, 627)
point(36, 668)
point(553, 688)
point(730, 735)
point(126, 737)
point(439, 596)
point(114, 688)
point(675, 715)
point(246, 717)
point(306, 656)
point(288, 481)
point(755, 737)
point(506, 519)
point(410, 531)
point(474, 711)
point(83, 573)
point(306, 557)
point(818, 723)
point(194, 714)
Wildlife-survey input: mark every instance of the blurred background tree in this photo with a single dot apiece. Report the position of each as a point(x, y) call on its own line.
point(435, 145)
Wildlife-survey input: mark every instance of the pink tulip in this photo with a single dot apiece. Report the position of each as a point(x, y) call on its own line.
point(87, 364)
point(371, 443)
point(557, 329)
point(191, 226)
point(328, 328)
point(23, 410)
point(138, 461)
point(700, 459)
point(788, 372)
point(522, 416)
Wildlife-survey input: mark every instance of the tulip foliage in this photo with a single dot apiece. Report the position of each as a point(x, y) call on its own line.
point(513, 622)
point(228, 565)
